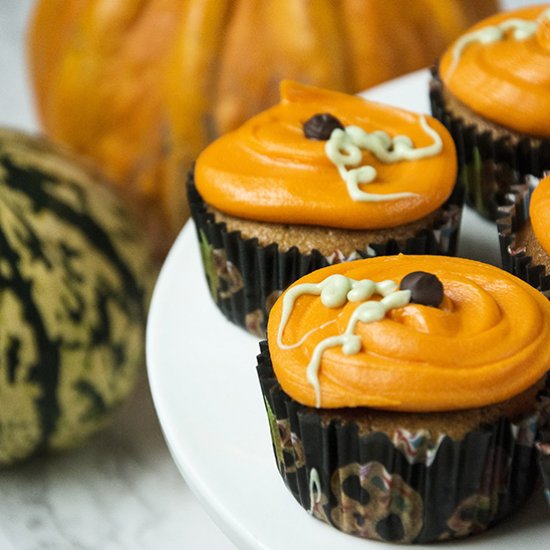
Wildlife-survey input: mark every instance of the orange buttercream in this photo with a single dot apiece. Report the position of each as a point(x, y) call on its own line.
point(487, 342)
point(506, 81)
point(267, 170)
point(538, 212)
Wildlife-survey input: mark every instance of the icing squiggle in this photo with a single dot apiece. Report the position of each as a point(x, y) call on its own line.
point(334, 292)
point(522, 29)
point(344, 149)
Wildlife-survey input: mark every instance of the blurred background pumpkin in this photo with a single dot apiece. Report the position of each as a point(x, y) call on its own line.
point(140, 86)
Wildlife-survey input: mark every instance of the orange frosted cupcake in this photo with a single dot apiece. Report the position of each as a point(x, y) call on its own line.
point(407, 395)
point(322, 177)
point(492, 91)
point(525, 237)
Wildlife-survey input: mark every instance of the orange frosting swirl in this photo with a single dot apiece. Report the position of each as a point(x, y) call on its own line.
point(487, 342)
point(538, 212)
point(267, 170)
point(506, 81)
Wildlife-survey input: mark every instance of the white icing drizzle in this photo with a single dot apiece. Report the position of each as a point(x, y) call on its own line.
point(335, 291)
point(522, 29)
point(314, 489)
point(344, 149)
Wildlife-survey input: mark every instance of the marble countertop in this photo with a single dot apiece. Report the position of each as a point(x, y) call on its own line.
point(122, 490)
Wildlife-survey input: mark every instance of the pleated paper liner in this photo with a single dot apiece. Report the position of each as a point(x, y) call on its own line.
point(246, 278)
point(407, 489)
point(511, 217)
point(489, 167)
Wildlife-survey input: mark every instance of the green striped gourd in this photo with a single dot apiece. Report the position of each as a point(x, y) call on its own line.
point(74, 283)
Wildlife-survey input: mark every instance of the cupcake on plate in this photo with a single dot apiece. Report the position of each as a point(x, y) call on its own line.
point(407, 395)
point(320, 178)
point(492, 91)
point(524, 231)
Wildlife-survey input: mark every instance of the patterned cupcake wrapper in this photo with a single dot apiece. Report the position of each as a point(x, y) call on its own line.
point(489, 168)
point(407, 489)
point(246, 278)
point(511, 218)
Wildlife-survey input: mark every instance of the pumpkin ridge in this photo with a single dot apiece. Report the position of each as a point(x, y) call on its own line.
point(211, 122)
point(347, 53)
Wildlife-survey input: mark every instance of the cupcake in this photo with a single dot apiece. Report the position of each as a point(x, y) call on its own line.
point(492, 91)
point(320, 178)
point(407, 396)
point(524, 231)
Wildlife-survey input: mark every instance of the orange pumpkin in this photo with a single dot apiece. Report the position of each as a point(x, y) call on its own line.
point(140, 86)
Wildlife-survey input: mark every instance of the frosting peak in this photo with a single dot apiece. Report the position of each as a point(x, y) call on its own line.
point(486, 342)
point(386, 167)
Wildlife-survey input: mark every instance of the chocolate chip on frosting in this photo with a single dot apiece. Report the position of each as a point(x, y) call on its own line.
point(320, 126)
point(426, 288)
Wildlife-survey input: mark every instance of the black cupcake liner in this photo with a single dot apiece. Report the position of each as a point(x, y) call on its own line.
point(543, 447)
point(407, 489)
point(490, 167)
point(246, 278)
point(511, 217)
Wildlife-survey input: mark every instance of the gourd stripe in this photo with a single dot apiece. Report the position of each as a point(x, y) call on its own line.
point(45, 371)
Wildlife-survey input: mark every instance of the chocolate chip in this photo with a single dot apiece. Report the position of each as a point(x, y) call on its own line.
point(426, 288)
point(320, 126)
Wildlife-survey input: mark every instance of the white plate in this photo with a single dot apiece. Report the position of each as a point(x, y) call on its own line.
point(206, 392)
